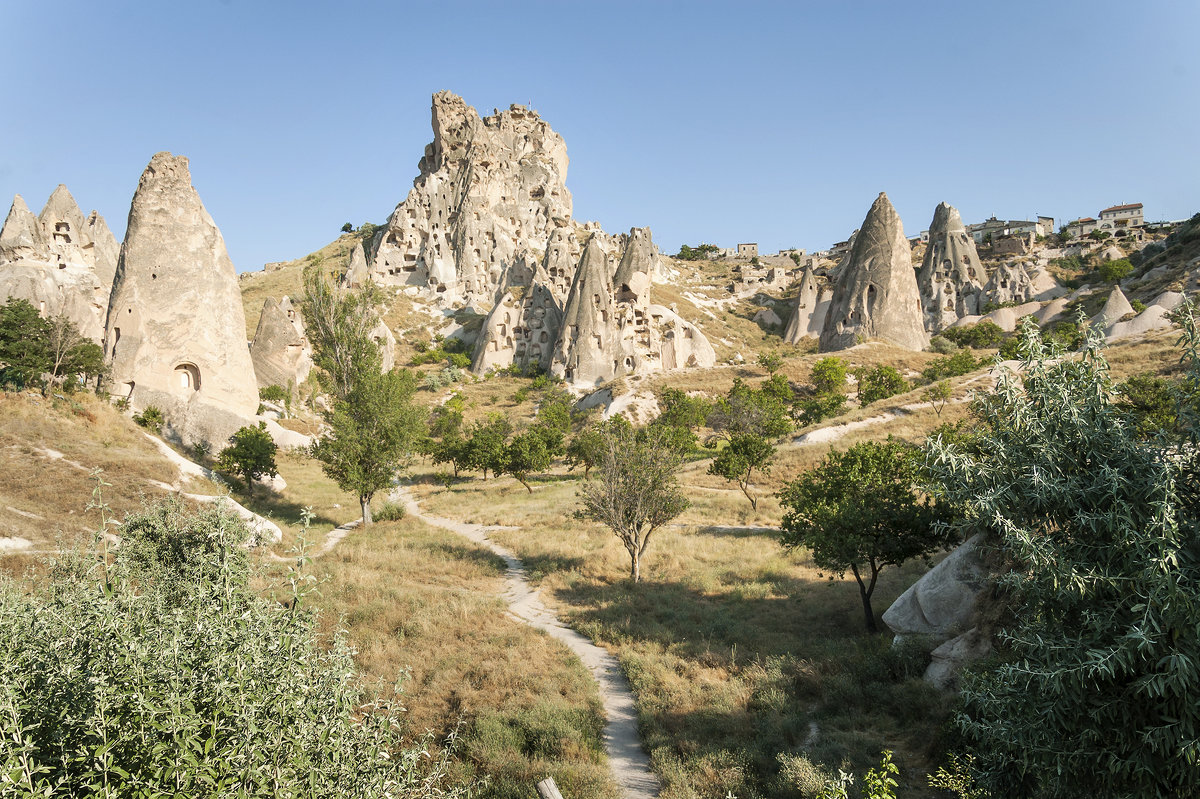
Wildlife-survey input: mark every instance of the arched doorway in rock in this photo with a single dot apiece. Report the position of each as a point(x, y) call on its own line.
point(187, 377)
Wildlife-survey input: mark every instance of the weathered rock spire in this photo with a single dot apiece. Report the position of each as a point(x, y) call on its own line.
point(951, 278)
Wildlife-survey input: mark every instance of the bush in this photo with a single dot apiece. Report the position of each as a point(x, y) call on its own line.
point(165, 675)
point(389, 512)
point(814, 410)
point(960, 363)
point(829, 375)
point(151, 418)
point(880, 383)
point(942, 345)
point(273, 394)
point(1112, 271)
point(250, 455)
point(983, 335)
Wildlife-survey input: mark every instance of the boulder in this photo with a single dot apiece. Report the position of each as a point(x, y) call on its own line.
point(948, 660)
point(951, 277)
point(876, 295)
point(175, 335)
point(941, 605)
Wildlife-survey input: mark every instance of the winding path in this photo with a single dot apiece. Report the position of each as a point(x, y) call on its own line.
point(628, 761)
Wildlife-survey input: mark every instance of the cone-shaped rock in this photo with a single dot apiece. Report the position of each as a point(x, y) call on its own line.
point(21, 235)
point(951, 278)
point(562, 255)
point(639, 263)
point(876, 293)
point(175, 336)
point(587, 346)
point(281, 353)
point(358, 273)
point(61, 217)
point(521, 329)
point(809, 310)
point(1114, 309)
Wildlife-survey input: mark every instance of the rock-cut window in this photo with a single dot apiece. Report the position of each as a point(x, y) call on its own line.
point(187, 377)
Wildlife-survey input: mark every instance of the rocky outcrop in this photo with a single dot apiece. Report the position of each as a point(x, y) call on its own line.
point(586, 349)
point(941, 604)
point(951, 279)
point(357, 273)
point(487, 188)
point(1115, 308)
point(809, 310)
point(175, 335)
point(1010, 283)
point(58, 261)
point(876, 294)
point(1155, 317)
point(521, 329)
point(280, 351)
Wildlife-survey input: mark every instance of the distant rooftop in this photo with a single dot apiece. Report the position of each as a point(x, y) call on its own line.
point(1130, 207)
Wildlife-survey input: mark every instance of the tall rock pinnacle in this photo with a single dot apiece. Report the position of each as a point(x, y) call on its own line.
point(951, 279)
point(175, 335)
point(876, 294)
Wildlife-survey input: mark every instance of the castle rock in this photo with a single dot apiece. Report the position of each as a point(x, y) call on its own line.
point(951, 278)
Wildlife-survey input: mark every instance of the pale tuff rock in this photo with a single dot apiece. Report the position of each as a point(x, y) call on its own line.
point(948, 660)
point(521, 329)
point(1155, 317)
point(951, 278)
point(358, 273)
point(585, 351)
point(21, 236)
point(486, 189)
point(175, 336)
point(562, 254)
point(280, 351)
point(1115, 308)
point(941, 605)
point(767, 317)
point(1010, 283)
point(58, 261)
point(809, 311)
point(386, 342)
point(639, 263)
point(876, 294)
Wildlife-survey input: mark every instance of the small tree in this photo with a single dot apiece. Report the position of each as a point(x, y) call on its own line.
point(1116, 269)
point(637, 491)
point(486, 443)
point(771, 361)
point(526, 454)
point(348, 227)
point(859, 511)
point(71, 354)
point(587, 448)
point(250, 454)
point(937, 395)
point(338, 324)
point(738, 460)
point(829, 375)
point(372, 434)
point(880, 383)
point(24, 344)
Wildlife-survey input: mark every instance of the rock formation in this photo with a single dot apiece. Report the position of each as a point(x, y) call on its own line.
point(521, 329)
point(486, 189)
point(951, 278)
point(809, 311)
point(1010, 283)
point(358, 272)
point(59, 261)
point(280, 351)
point(1115, 308)
point(175, 336)
point(876, 294)
point(585, 351)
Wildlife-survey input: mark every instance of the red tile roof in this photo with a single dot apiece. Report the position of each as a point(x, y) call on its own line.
point(1122, 208)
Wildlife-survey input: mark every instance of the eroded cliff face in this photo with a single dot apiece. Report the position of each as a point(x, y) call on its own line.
point(59, 261)
point(487, 189)
point(175, 334)
point(876, 294)
point(951, 279)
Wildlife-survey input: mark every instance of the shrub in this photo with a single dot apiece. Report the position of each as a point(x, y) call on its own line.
point(829, 375)
point(982, 335)
point(1112, 271)
point(942, 345)
point(250, 455)
point(960, 363)
point(880, 383)
point(814, 410)
point(389, 512)
point(273, 394)
point(151, 418)
point(164, 675)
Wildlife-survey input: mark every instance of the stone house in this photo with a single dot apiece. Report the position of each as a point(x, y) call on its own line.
point(748, 250)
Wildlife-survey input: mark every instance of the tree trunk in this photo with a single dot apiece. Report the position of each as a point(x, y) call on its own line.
point(866, 591)
point(527, 488)
point(635, 565)
point(364, 502)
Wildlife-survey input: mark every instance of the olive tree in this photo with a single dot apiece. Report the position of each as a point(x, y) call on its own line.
point(1096, 528)
point(637, 491)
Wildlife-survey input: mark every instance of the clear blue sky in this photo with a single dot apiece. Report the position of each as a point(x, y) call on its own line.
point(721, 122)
